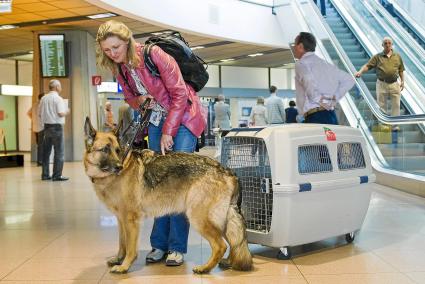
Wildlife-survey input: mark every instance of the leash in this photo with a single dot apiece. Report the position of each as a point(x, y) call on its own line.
point(137, 126)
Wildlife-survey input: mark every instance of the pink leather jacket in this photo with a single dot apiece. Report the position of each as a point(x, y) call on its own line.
point(169, 90)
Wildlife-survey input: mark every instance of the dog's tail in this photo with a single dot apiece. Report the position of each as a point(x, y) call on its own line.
point(240, 257)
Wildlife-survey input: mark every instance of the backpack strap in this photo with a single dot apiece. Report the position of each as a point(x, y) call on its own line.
point(148, 59)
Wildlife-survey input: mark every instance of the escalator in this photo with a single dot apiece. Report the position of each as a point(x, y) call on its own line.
point(371, 16)
point(407, 150)
point(401, 17)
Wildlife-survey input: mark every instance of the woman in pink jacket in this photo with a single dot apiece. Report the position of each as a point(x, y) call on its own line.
point(175, 123)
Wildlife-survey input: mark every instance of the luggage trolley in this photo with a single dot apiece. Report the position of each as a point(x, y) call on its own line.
point(300, 183)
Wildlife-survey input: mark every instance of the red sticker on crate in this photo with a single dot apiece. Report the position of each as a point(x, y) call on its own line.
point(330, 135)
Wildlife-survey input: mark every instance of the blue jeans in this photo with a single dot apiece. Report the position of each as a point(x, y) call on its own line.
point(322, 7)
point(53, 137)
point(170, 232)
point(322, 117)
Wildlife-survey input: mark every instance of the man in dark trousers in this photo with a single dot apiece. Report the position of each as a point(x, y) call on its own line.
point(322, 7)
point(52, 114)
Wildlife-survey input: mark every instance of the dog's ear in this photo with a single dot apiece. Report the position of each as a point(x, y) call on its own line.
point(89, 132)
point(117, 129)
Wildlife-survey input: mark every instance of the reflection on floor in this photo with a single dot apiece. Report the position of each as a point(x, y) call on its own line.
point(59, 232)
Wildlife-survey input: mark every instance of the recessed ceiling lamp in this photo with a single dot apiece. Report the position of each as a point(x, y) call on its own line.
point(197, 47)
point(8, 27)
point(255, 54)
point(227, 60)
point(101, 16)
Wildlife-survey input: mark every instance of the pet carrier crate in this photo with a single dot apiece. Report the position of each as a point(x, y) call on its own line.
point(300, 183)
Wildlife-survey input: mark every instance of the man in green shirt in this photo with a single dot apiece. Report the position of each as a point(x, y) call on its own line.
point(389, 66)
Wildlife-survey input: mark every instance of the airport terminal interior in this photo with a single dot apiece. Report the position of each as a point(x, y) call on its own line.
point(321, 203)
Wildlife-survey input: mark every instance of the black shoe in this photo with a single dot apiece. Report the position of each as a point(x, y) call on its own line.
point(46, 178)
point(61, 178)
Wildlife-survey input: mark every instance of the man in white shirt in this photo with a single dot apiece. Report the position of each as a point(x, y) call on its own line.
point(52, 111)
point(37, 127)
point(275, 107)
point(318, 84)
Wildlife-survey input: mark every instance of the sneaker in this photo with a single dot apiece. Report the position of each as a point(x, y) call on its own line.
point(60, 178)
point(156, 255)
point(174, 258)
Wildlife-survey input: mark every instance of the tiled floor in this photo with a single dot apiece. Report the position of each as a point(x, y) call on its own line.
point(58, 232)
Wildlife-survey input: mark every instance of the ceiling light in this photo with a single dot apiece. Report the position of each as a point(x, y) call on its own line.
point(101, 16)
point(5, 6)
point(8, 27)
point(255, 54)
point(227, 60)
point(197, 47)
point(15, 90)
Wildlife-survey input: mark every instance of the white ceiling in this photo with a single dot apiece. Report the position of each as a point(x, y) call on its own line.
point(41, 15)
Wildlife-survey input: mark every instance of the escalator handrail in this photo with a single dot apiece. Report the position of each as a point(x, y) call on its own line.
point(402, 32)
point(365, 93)
point(348, 101)
point(396, 26)
point(418, 30)
point(378, 161)
point(406, 44)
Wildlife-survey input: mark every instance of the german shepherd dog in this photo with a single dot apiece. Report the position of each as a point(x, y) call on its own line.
point(147, 184)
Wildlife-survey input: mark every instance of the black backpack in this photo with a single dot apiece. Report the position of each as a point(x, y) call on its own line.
point(191, 66)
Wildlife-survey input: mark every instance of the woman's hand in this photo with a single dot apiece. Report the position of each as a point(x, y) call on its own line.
point(166, 143)
point(142, 99)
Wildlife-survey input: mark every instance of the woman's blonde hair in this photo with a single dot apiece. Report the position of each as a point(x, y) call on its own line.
point(120, 30)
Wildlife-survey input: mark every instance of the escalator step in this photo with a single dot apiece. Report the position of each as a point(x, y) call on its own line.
point(370, 85)
point(358, 61)
point(352, 48)
point(350, 41)
point(336, 25)
point(343, 36)
point(344, 29)
point(357, 55)
point(369, 76)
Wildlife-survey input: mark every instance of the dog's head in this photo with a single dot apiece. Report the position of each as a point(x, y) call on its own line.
point(103, 152)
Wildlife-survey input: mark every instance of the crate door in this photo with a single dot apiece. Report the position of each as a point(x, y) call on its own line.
point(248, 158)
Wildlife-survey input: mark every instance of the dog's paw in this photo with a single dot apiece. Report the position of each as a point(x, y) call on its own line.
point(224, 263)
point(201, 269)
point(114, 261)
point(119, 269)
